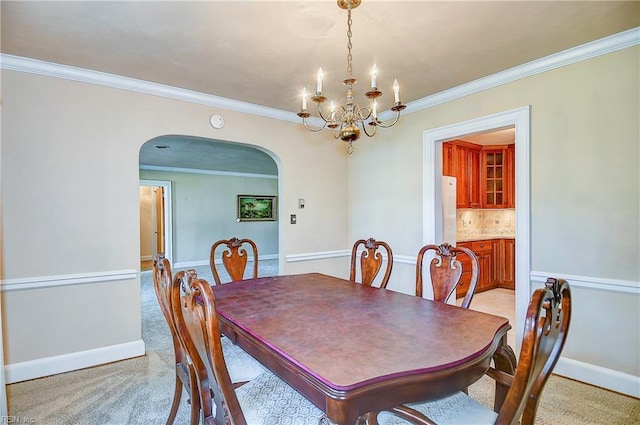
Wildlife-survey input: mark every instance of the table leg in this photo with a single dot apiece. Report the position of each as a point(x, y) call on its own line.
point(504, 360)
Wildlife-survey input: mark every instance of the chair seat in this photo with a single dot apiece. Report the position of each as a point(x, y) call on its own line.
point(268, 400)
point(241, 365)
point(456, 409)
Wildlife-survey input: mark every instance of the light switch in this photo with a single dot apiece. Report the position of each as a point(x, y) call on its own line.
point(300, 203)
point(293, 219)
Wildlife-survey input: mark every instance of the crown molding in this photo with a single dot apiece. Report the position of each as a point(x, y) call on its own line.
point(212, 172)
point(34, 66)
point(586, 51)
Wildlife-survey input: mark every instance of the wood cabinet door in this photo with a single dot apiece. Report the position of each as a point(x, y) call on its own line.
point(462, 161)
point(493, 178)
point(461, 165)
point(484, 251)
point(511, 176)
point(448, 160)
point(473, 177)
point(508, 264)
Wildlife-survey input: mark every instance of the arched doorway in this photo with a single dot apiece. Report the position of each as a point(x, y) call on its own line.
point(206, 177)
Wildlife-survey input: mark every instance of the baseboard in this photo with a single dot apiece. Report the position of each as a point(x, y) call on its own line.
point(39, 368)
point(609, 379)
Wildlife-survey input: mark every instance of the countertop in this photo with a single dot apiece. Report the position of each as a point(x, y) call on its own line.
point(483, 238)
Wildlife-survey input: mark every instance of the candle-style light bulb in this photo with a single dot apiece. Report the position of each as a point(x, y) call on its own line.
point(374, 110)
point(396, 91)
point(304, 98)
point(319, 77)
point(374, 74)
point(333, 111)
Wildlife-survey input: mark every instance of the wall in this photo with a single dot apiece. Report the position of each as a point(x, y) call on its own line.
point(584, 197)
point(204, 211)
point(70, 211)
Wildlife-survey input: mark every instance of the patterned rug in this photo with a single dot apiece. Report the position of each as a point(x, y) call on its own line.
point(140, 390)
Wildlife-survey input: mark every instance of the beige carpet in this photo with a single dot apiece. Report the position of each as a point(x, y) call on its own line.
point(139, 391)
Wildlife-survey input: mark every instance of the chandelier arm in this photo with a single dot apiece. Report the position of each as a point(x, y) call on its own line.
point(364, 128)
point(379, 123)
point(313, 130)
point(322, 116)
point(336, 132)
point(365, 117)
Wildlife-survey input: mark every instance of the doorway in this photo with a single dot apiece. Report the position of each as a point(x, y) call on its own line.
point(155, 221)
point(432, 179)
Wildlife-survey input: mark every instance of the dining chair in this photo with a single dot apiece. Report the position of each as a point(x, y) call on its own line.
point(185, 374)
point(242, 366)
point(446, 270)
point(371, 254)
point(234, 257)
point(264, 400)
point(545, 332)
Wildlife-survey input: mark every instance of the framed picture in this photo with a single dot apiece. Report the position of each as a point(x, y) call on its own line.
point(256, 208)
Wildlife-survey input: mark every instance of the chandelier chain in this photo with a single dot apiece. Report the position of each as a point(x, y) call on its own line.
point(349, 46)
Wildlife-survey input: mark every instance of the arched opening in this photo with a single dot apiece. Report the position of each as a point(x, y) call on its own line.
point(204, 178)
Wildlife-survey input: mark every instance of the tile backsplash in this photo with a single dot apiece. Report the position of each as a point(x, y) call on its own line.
point(481, 224)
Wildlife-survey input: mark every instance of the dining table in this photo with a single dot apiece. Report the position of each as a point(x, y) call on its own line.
point(352, 349)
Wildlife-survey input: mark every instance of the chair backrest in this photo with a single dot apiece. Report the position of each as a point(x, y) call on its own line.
point(194, 308)
point(234, 258)
point(545, 332)
point(445, 271)
point(162, 284)
point(371, 259)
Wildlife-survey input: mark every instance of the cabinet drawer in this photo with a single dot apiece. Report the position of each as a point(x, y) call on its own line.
point(479, 246)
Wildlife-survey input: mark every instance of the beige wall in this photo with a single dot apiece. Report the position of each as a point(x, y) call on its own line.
point(204, 211)
point(70, 202)
point(585, 189)
point(70, 197)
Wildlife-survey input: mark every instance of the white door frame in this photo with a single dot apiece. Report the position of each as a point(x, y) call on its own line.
point(168, 221)
point(432, 179)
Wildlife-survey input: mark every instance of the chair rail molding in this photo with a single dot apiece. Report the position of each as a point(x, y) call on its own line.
point(40, 282)
point(311, 256)
point(596, 283)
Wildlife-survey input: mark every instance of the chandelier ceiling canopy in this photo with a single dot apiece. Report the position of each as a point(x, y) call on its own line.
point(349, 120)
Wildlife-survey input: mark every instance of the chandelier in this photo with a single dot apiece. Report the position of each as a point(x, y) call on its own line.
point(346, 120)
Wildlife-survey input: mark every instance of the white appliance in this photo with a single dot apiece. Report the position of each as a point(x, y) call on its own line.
point(449, 210)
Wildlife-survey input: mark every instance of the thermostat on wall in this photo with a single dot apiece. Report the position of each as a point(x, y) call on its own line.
point(216, 121)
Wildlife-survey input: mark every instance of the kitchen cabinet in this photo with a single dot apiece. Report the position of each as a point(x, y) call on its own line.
point(486, 273)
point(496, 265)
point(511, 176)
point(486, 276)
point(484, 174)
point(507, 263)
point(462, 160)
point(494, 178)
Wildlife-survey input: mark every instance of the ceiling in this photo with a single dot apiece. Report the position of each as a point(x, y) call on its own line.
point(264, 52)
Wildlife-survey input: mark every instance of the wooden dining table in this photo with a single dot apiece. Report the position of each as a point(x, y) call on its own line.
point(352, 349)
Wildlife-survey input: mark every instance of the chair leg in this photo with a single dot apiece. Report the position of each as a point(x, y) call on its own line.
point(177, 395)
point(195, 403)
